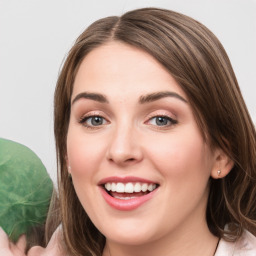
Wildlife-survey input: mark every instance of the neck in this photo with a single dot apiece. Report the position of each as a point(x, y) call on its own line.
point(193, 242)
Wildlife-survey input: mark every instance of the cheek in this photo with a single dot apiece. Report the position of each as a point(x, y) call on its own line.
point(183, 156)
point(83, 153)
point(83, 159)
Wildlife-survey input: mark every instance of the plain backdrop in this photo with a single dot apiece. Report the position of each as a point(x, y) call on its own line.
point(35, 36)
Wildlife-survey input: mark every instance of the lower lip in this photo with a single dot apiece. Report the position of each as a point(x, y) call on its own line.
point(126, 205)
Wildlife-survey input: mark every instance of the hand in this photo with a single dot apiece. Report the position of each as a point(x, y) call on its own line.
point(8, 248)
point(53, 248)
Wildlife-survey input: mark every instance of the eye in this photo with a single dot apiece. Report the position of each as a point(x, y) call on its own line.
point(162, 121)
point(92, 121)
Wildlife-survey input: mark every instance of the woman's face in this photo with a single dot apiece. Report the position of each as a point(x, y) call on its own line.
point(132, 131)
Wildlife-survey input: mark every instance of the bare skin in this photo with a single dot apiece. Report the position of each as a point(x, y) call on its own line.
point(7, 248)
point(149, 132)
point(121, 136)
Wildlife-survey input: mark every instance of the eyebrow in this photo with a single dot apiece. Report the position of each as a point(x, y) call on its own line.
point(151, 97)
point(91, 96)
point(159, 95)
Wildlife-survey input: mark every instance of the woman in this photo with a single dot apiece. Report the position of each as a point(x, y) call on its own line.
point(156, 149)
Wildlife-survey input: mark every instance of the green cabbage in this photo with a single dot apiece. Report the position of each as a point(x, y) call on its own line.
point(25, 189)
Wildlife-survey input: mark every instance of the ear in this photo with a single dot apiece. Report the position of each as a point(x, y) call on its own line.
point(222, 166)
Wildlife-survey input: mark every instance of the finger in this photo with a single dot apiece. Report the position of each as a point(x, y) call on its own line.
point(36, 251)
point(21, 243)
point(55, 239)
point(5, 245)
point(18, 249)
point(4, 239)
point(54, 246)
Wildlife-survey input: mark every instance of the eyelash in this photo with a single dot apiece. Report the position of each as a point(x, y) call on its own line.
point(171, 121)
point(166, 117)
point(84, 119)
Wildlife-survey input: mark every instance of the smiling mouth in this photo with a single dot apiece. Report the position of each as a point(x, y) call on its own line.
point(130, 190)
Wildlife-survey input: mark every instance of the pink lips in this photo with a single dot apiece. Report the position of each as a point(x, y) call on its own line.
point(125, 205)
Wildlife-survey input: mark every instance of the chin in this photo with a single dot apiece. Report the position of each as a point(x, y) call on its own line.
point(131, 234)
point(132, 239)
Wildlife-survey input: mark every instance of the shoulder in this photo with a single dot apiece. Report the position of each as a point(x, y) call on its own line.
point(244, 246)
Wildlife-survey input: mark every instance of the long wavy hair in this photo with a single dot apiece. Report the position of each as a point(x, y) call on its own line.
point(198, 62)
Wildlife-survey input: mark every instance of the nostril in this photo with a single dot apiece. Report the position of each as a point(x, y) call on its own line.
point(123, 156)
point(130, 160)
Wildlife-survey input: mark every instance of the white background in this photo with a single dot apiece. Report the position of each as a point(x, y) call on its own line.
point(36, 35)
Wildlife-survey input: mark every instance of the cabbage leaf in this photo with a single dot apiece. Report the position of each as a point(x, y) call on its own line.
point(25, 189)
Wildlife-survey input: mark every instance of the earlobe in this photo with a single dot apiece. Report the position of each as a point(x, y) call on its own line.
point(68, 166)
point(222, 166)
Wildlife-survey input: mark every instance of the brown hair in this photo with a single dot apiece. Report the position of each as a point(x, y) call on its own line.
point(200, 65)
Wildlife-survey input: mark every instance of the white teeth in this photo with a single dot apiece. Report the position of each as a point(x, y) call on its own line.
point(144, 187)
point(129, 187)
point(113, 187)
point(124, 198)
point(119, 187)
point(108, 186)
point(137, 187)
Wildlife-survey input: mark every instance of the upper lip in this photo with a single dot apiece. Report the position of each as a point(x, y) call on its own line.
point(125, 179)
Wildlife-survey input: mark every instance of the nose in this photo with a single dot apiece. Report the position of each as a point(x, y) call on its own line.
point(124, 147)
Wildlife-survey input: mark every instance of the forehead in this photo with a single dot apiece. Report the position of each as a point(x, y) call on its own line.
point(118, 67)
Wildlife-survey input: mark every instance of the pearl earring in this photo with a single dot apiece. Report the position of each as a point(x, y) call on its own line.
point(219, 172)
point(69, 170)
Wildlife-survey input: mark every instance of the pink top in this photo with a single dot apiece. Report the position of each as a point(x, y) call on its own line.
point(244, 246)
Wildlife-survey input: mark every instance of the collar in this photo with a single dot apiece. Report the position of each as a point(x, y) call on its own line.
point(244, 246)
